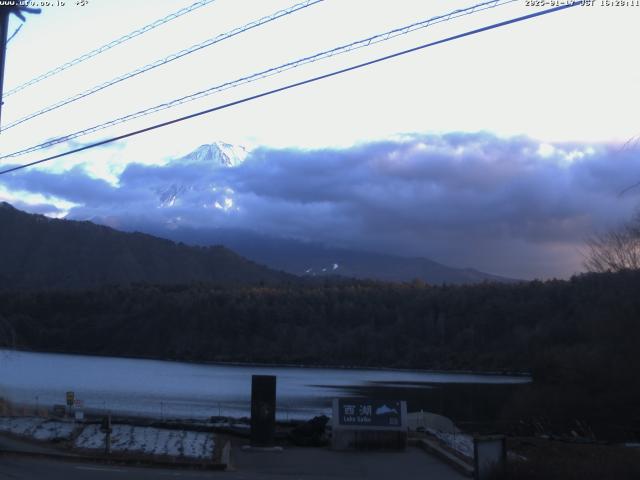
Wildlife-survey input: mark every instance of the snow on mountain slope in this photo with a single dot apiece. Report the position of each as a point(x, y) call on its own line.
point(217, 154)
point(214, 156)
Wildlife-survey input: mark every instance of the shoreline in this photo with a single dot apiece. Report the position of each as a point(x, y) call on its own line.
point(280, 365)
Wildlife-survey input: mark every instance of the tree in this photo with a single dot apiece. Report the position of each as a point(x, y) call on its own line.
point(7, 334)
point(615, 250)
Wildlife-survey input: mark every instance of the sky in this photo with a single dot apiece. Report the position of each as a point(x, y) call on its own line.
point(500, 151)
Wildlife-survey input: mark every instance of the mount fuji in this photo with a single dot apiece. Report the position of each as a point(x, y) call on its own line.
point(205, 190)
point(216, 155)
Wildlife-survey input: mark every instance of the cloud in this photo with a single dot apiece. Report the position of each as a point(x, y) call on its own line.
point(73, 185)
point(72, 144)
point(511, 206)
point(39, 208)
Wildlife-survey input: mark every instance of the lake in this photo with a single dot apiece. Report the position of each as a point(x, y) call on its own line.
point(165, 389)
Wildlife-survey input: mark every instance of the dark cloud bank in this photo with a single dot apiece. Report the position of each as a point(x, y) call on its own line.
point(502, 205)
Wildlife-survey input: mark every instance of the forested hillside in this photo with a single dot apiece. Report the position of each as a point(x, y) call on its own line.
point(588, 324)
point(579, 337)
point(37, 252)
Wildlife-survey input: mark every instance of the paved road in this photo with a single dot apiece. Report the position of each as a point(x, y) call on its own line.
point(14, 444)
point(291, 464)
point(19, 468)
point(319, 463)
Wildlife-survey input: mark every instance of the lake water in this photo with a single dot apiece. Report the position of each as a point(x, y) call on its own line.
point(186, 390)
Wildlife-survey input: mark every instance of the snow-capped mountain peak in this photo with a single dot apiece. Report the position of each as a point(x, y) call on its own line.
point(217, 154)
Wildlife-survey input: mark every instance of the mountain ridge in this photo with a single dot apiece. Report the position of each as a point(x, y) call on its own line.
point(41, 252)
point(297, 257)
point(294, 256)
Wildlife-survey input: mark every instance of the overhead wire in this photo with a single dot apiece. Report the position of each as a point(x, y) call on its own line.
point(108, 46)
point(366, 42)
point(15, 32)
point(297, 84)
point(163, 61)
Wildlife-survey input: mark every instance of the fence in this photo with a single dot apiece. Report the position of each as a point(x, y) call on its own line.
point(163, 410)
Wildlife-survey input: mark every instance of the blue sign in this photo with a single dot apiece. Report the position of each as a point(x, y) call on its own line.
point(364, 412)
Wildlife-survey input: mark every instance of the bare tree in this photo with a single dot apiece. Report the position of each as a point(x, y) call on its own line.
point(616, 250)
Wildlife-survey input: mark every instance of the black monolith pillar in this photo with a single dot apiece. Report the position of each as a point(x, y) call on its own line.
point(263, 409)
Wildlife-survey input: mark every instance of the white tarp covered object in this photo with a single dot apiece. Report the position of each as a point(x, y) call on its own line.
point(149, 441)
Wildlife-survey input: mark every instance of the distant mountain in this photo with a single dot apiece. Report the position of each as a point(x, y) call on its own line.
point(314, 259)
point(40, 252)
point(293, 256)
point(204, 192)
point(212, 156)
point(219, 154)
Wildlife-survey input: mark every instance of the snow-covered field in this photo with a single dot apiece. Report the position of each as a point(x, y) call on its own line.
point(38, 428)
point(458, 441)
point(443, 429)
point(149, 441)
point(124, 438)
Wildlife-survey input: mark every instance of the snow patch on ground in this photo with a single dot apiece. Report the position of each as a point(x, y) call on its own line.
point(91, 437)
point(149, 441)
point(38, 428)
point(460, 442)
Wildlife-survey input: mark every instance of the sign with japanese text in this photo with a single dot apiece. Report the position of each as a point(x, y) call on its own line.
point(365, 412)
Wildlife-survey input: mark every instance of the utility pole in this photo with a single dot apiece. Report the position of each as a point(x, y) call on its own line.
point(5, 11)
point(4, 27)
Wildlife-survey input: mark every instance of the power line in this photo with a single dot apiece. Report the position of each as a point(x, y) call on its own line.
point(297, 84)
point(269, 72)
point(15, 32)
point(110, 45)
point(167, 59)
